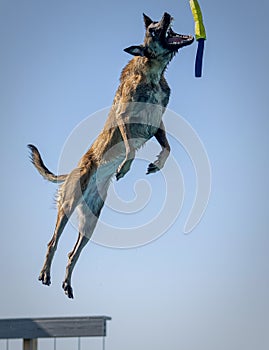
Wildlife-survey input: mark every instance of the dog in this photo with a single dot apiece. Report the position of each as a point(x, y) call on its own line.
point(134, 118)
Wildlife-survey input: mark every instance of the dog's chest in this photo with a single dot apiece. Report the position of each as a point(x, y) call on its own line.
point(156, 95)
point(152, 92)
point(147, 112)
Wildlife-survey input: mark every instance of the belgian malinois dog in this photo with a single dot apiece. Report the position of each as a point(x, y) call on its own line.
point(134, 118)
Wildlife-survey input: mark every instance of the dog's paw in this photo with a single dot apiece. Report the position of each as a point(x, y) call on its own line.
point(44, 277)
point(152, 168)
point(68, 290)
point(119, 175)
point(123, 169)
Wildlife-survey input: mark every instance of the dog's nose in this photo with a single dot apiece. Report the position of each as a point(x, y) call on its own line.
point(166, 16)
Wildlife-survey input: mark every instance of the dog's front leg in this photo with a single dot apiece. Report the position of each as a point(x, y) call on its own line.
point(161, 158)
point(123, 123)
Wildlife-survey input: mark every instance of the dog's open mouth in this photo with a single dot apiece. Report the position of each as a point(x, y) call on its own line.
point(177, 40)
point(172, 40)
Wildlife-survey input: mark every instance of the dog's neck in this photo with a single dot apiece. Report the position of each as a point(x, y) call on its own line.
point(151, 69)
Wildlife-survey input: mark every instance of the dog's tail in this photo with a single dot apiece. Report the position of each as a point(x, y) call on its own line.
point(42, 169)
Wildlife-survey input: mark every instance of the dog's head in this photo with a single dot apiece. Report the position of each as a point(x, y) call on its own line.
point(161, 42)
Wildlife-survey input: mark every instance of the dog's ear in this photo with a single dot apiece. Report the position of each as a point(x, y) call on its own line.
point(136, 50)
point(147, 20)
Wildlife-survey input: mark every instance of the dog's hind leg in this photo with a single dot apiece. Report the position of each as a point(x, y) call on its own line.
point(88, 220)
point(62, 219)
point(69, 196)
point(73, 258)
point(88, 212)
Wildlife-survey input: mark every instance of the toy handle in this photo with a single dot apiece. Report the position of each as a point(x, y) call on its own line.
point(199, 58)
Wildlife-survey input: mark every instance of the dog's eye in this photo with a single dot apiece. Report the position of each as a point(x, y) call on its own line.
point(152, 32)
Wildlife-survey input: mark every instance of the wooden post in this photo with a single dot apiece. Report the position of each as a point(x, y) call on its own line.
point(29, 344)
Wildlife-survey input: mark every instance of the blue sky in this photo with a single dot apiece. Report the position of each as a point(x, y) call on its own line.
point(60, 62)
